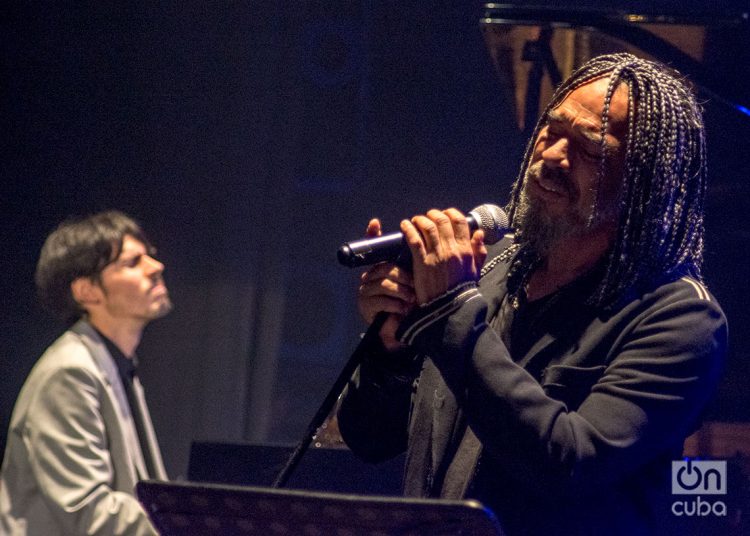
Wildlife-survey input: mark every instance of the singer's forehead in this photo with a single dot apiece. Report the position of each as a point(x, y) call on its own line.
point(583, 109)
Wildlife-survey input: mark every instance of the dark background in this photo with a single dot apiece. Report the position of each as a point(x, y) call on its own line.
point(251, 139)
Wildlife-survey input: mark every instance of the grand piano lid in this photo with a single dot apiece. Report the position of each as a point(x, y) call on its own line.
point(628, 26)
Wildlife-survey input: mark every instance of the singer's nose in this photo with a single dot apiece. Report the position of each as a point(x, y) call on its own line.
point(556, 154)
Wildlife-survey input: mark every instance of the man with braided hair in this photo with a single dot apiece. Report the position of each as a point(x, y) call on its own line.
point(554, 375)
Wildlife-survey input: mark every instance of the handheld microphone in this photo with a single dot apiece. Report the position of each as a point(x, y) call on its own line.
point(489, 218)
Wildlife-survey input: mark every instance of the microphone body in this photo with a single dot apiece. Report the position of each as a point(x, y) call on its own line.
point(389, 247)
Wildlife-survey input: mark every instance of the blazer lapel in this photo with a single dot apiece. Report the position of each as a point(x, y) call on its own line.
point(153, 454)
point(116, 392)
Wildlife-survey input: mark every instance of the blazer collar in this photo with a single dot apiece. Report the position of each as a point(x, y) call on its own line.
point(106, 363)
point(98, 349)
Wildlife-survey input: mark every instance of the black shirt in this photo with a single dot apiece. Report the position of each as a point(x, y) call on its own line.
point(127, 369)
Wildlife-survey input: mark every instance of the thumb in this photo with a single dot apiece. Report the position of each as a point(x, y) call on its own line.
point(373, 228)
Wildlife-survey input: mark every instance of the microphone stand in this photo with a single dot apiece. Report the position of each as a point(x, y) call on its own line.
point(372, 333)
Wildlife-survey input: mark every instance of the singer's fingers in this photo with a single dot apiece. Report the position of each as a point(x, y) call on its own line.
point(373, 305)
point(388, 287)
point(458, 223)
point(478, 248)
point(413, 236)
point(390, 271)
point(432, 228)
point(385, 287)
point(388, 333)
point(444, 227)
point(374, 228)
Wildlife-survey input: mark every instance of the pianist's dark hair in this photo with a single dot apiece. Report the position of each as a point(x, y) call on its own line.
point(80, 248)
point(664, 180)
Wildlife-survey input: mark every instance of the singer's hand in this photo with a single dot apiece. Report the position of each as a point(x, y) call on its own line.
point(444, 252)
point(385, 287)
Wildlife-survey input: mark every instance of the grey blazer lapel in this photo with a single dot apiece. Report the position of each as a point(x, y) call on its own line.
point(116, 391)
point(153, 453)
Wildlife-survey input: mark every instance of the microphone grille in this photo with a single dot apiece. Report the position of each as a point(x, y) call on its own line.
point(492, 220)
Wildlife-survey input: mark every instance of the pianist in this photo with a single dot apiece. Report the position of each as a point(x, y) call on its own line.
point(80, 435)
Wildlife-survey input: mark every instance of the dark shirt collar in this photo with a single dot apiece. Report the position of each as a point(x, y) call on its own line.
point(574, 294)
point(125, 366)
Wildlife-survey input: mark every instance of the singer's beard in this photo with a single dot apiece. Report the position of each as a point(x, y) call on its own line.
point(535, 227)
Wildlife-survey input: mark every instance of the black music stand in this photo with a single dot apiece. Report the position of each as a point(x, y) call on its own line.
point(187, 509)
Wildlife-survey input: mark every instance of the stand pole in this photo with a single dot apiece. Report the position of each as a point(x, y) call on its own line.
point(325, 409)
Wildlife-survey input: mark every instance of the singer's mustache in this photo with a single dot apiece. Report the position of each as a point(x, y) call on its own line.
point(540, 172)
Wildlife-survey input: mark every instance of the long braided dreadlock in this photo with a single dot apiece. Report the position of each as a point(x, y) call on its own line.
point(664, 178)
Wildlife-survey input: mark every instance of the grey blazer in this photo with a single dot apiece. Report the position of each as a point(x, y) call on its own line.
point(72, 457)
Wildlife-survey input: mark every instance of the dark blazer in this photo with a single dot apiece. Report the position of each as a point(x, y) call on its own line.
point(72, 457)
point(573, 437)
